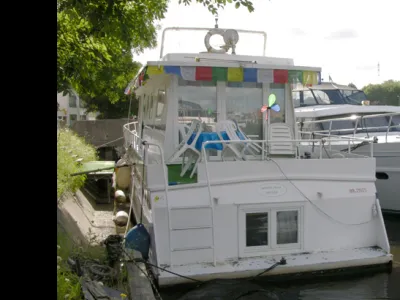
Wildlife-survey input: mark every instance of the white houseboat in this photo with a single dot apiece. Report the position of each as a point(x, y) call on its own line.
point(335, 111)
point(225, 193)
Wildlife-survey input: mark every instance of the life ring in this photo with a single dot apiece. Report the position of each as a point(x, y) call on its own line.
point(207, 40)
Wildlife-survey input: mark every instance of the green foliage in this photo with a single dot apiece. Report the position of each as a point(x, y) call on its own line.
point(66, 164)
point(109, 110)
point(214, 5)
point(387, 93)
point(352, 85)
point(95, 39)
point(68, 286)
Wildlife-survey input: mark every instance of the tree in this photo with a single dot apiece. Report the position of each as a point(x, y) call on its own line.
point(95, 39)
point(352, 85)
point(109, 110)
point(387, 93)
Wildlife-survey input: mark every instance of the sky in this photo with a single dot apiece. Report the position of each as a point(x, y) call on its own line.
point(346, 38)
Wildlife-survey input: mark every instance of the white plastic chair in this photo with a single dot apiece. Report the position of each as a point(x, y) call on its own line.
point(184, 146)
point(253, 148)
point(231, 131)
point(183, 130)
point(284, 132)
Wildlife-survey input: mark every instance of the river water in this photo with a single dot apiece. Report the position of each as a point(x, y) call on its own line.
point(378, 286)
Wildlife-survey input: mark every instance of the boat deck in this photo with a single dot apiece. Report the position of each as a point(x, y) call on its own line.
point(295, 263)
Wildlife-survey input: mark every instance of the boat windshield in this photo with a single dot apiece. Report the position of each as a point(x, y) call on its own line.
point(345, 124)
point(328, 96)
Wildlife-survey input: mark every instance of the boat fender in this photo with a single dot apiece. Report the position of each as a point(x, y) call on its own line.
point(120, 196)
point(138, 239)
point(123, 176)
point(121, 218)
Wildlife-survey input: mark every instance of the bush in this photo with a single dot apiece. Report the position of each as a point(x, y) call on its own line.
point(69, 144)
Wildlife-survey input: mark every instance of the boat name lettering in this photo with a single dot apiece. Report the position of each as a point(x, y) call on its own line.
point(358, 190)
point(272, 189)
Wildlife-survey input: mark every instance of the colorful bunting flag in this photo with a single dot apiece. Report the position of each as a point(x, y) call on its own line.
point(281, 76)
point(229, 74)
point(250, 75)
point(219, 74)
point(155, 70)
point(265, 76)
point(310, 78)
point(188, 73)
point(235, 74)
point(204, 73)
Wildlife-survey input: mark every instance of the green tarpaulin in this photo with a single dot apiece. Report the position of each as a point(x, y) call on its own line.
point(92, 166)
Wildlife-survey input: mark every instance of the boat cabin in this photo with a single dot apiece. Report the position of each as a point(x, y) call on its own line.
point(211, 88)
point(327, 93)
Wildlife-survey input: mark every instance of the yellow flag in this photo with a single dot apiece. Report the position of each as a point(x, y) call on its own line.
point(235, 74)
point(310, 77)
point(155, 70)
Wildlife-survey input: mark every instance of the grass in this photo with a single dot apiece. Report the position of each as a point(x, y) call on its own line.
point(68, 285)
point(69, 144)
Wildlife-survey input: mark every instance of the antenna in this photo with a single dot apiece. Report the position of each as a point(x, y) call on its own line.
point(379, 70)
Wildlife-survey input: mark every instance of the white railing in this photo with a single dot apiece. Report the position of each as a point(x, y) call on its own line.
point(264, 34)
point(344, 140)
point(299, 143)
point(356, 129)
point(132, 138)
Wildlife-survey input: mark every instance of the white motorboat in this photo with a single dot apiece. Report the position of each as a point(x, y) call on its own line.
point(331, 110)
point(225, 193)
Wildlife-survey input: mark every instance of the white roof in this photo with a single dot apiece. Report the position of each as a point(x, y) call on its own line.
point(326, 86)
point(341, 109)
point(204, 57)
point(229, 60)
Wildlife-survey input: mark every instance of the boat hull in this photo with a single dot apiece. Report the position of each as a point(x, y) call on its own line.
point(388, 174)
point(308, 264)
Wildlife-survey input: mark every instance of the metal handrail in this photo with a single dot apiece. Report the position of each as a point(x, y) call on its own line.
point(340, 137)
point(165, 173)
point(355, 128)
point(204, 29)
point(297, 141)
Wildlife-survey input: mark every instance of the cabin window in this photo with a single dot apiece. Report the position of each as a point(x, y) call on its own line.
point(151, 103)
point(160, 103)
point(296, 99)
point(287, 227)
point(197, 100)
point(256, 229)
point(145, 107)
point(243, 103)
point(322, 97)
point(279, 91)
point(160, 118)
point(339, 127)
point(395, 122)
point(308, 99)
point(269, 228)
